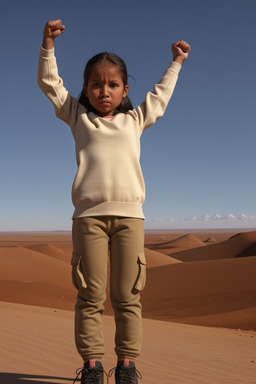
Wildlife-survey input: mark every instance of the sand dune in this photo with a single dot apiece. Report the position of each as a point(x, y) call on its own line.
point(156, 237)
point(210, 240)
point(156, 259)
point(22, 264)
point(214, 293)
point(210, 283)
point(30, 277)
point(51, 250)
point(240, 245)
point(188, 241)
point(34, 238)
point(36, 275)
point(39, 294)
point(199, 293)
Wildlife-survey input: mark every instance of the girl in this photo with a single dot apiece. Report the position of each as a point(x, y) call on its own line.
point(108, 193)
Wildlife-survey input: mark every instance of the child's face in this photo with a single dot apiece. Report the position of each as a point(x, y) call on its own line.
point(105, 88)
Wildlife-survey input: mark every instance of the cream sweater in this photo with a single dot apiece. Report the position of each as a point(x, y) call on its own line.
point(109, 179)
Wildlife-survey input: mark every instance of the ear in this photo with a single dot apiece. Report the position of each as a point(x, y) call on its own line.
point(126, 89)
point(85, 90)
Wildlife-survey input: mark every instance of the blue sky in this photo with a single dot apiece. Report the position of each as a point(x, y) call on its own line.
point(199, 159)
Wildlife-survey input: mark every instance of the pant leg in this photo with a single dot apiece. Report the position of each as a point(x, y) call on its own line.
point(89, 273)
point(128, 273)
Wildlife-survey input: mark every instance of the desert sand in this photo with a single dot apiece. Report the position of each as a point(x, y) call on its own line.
point(199, 309)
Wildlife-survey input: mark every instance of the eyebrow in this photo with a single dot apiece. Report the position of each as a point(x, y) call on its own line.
point(111, 80)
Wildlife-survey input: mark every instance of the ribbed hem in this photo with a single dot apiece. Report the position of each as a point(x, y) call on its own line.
point(47, 53)
point(92, 357)
point(126, 357)
point(175, 67)
point(109, 208)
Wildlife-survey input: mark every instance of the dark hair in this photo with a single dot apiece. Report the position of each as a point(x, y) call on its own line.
point(126, 104)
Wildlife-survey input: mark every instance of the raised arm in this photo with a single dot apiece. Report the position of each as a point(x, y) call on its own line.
point(53, 29)
point(49, 81)
point(156, 101)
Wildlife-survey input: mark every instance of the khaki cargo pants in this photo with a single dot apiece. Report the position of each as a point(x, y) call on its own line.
point(93, 239)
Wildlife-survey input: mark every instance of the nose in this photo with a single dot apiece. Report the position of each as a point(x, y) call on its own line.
point(104, 91)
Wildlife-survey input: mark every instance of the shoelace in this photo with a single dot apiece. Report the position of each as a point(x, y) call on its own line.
point(127, 375)
point(93, 377)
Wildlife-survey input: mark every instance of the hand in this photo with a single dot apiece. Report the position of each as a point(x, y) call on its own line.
point(180, 51)
point(53, 29)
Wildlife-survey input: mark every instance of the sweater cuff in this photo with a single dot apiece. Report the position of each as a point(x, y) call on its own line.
point(47, 53)
point(175, 67)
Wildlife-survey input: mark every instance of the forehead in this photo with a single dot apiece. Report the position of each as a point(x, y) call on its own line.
point(104, 70)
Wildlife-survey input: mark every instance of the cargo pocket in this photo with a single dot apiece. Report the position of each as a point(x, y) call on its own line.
point(141, 279)
point(77, 275)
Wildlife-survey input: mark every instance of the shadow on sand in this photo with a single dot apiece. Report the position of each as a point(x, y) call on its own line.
point(16, 378)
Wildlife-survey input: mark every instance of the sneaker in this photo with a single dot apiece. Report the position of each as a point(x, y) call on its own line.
point(125, 373)
point(92, 373)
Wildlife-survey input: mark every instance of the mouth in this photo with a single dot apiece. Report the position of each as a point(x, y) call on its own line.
point(105, 103)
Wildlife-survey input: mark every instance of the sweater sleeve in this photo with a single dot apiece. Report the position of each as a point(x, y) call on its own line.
point(156, 101)
point(52, 86)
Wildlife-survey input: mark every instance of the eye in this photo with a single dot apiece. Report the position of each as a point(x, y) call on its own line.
point(114, 85)
point(95, 85)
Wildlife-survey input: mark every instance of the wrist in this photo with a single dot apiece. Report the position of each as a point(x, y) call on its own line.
point(178, 59)
point(47, 43)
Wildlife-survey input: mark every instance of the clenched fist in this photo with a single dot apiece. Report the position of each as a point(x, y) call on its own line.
point(180, 51)
point(53, 29)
